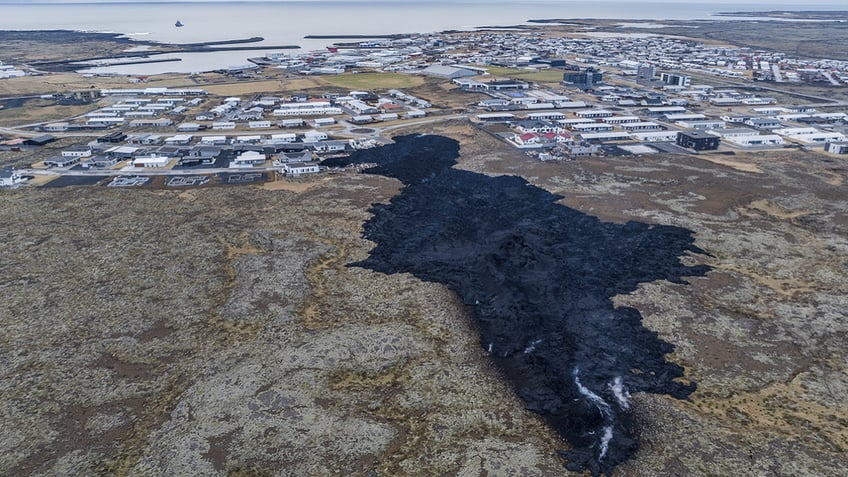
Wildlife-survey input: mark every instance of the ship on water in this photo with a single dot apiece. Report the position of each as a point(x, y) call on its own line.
point(178, 24)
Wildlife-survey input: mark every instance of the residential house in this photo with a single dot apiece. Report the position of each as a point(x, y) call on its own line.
point(62, 161)
point(299, 168)
point(293, 123)
point(530, 126)
point(248, 159)
point(314, 136)
point(329, 146)
point(205, 152)
point(9, 177)
point(77, 151)
point(298, 156)
point(151, 161)
point(101, 161)
point(836, 147)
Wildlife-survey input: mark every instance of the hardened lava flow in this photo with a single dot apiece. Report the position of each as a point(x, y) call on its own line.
point(539, 278)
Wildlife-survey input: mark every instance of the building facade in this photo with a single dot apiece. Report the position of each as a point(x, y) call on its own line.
point(698, 141)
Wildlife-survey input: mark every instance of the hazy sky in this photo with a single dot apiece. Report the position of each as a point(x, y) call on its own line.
point(726, 4)
point(767, 3)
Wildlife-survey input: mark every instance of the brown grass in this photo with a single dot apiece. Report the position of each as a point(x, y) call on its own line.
point(38, 111)
point(294, 186)
point(245, 88)
point(776, 211)
point(66, 82)
point(739, 166)
point(373, 80)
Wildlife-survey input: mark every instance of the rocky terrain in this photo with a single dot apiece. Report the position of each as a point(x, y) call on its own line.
point(222, 331)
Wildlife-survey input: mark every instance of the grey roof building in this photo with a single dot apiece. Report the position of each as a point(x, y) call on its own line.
point(451, 72)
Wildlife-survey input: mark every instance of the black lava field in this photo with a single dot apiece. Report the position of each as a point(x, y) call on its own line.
point(539, 278)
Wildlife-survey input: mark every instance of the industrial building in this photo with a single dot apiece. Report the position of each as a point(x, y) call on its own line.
point(676, 80)
point(450, 72)
point(585, 79)
point(646, 72)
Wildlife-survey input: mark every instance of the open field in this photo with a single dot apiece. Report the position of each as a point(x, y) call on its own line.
point(373, 81)
point(544, 76)
point(37, 111)
point(245, 88)
point(67, 82)
point(283, 83)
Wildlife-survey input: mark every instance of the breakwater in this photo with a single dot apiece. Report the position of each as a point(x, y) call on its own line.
point(538, 278)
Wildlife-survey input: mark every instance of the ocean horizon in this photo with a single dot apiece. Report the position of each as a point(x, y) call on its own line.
point(289, 22)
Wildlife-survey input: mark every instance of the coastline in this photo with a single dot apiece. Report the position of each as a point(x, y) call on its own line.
point(146, 56)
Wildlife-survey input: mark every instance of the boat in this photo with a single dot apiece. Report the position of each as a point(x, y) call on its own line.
point(178, 24)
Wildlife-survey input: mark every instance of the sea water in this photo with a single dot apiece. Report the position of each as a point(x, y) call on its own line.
point(288, 22)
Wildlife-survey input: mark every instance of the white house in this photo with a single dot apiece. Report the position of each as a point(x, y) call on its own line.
point(248, 159)
point(188, 127)
point(606, 136)
point(316, 108)
point(756, 140)
point(248, 139)
point(837, 147)
point(548, 115)
point(527, 139)
point(594, 113)
point(214, 140)
point(361, 107)
point(701, 124)
point(641, 126)
point(538, 127)
point(84, 151)
point(810, 135)
point(298, 168)
point(293, 123)
point(9, 177)
point(284, 138)
point(655, 136)
point(151, 161)
point(591, 127)
point(323, 122)
point(9, 71)
point(61, 161)
point(621, 119)
point(299, 156)
point(685, 117)
point(569, 122)
point(314, 136)
point(152, 122)
point(732, 132)
point(108, 122)
point(665, 110)
point(415, 113)
point(179, 140)
point(329, 146)
point(221, 125)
